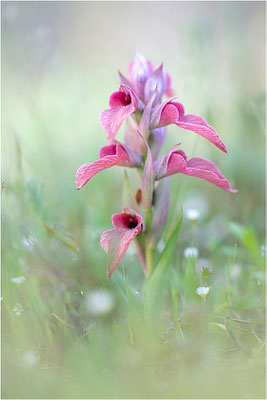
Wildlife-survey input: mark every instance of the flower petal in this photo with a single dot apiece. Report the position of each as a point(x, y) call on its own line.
point(199, 125)
point(87, 171)
point(115, 243)
point(205, 169)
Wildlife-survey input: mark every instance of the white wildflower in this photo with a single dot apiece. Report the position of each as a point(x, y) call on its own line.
point(28, 242)
point(203, 291)
point(263, 250)
point(192, 214)
point(191, 252)
point(99, 302)
point(235, 271)
point(18, 309)
point(30, 358)
point(18, 279)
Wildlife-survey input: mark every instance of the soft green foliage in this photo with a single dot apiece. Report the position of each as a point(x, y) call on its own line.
point(58, 347)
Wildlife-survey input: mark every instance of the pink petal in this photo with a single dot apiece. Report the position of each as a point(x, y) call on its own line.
point(115, 243)
point(205, 169)
point(121, 103)
point(199, 125)
point(87, 171)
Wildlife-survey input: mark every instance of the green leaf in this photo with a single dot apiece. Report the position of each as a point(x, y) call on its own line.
point(153, 288)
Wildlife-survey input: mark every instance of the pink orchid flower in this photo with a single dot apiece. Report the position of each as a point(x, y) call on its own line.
point(175, 161)
point(115, 242)
point(121, 105)
point(171, 112)
point(110, 155)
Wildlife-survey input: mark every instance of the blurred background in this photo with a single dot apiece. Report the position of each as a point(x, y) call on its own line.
point(60, 63)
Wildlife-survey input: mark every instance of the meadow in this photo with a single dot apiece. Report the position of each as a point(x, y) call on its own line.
point(67, 330)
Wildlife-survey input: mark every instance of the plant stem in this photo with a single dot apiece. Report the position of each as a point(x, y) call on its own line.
point(149, 251)
point(149, 258)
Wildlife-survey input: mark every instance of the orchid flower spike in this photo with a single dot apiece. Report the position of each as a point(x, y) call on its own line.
point(175, 161)
point(114, 154)
point(115, 242)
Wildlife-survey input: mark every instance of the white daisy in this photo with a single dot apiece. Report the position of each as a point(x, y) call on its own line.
point(18, 309)
point(203, 291)
point(192, 214)
point(18, 279)
point(191, 252)
point(30, 358)
point(99, 302)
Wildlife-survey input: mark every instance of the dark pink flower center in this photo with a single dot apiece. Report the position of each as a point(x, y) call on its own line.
point(124, 221)
point(125, 99)
point(132, 222)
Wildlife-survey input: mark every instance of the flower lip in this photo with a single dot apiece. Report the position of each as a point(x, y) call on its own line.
point(125, 99)
point(109, 150)
point(120, 98)
point(125, 221)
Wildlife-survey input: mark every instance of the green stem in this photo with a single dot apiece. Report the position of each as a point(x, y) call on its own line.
point(149, 259)
point(149, 251)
